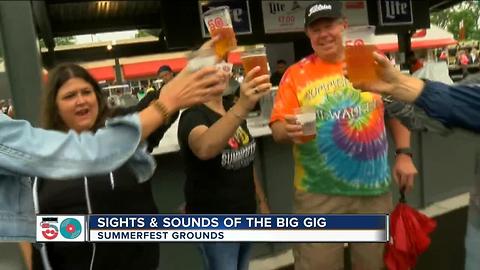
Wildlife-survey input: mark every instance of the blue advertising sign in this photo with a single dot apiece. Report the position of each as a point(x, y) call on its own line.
point(395, 12)
point(239, 13)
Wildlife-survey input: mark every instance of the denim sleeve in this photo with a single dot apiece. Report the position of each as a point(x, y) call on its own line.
point(36, 152)
point(453, 105)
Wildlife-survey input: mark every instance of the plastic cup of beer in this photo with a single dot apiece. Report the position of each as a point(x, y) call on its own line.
point(200, 59)
point(361, 66)
point(307, 117)
point(255, 56)
point(219, 23)
point(359, 48)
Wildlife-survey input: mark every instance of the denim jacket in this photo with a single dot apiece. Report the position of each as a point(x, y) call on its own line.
point(26, 151)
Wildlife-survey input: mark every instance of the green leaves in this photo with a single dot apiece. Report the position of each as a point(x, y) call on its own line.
point(450, 19)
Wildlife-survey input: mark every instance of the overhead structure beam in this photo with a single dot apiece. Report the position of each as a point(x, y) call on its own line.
point(22, 61)
point(438, 5)
point(40, 14)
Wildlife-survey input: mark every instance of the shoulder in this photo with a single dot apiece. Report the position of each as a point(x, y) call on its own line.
point(305, 63)
point(195, 112)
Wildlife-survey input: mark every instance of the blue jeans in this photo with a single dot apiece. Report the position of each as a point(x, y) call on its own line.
point(226, 256)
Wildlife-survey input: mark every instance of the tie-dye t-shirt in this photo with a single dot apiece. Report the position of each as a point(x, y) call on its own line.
point(349, 153)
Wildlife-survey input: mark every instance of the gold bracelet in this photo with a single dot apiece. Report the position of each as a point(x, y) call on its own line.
point(162, 109)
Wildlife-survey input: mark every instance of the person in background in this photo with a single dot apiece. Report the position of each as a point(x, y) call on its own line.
point(3, 108)
point(463, 58)
point(473, 56)
point(150, 88)
point(280, 69)
point(344, 169)
point(443, 55)
point(414, 62)
point(11, 111)
point(165, 73)
point(218, 152)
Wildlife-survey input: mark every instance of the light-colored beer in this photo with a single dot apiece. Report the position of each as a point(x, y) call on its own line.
point(227, 41)
point(251, 61)
point(306, 116)
point(360, 63)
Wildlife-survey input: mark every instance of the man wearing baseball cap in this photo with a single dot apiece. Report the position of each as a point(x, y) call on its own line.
point(344, 169)
point(165, 73)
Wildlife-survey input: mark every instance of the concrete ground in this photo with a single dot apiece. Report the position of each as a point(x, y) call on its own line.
point(446, 251)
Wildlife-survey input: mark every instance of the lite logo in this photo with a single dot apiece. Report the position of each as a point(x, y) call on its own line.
point(319, 7)
point(276, 7)
point(395, 8)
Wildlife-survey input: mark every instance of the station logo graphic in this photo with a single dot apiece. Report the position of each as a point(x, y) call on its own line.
point(49, 228)
point(61, 228)
point(70, 228)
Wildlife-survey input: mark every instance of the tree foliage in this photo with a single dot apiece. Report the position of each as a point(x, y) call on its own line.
point(450, 19)
point(59, 41)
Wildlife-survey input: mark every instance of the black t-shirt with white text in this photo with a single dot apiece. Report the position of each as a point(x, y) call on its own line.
point(223, 184)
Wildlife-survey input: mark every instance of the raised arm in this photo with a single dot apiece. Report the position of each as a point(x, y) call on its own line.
point(207, 142)
point(31, 151)
point(453, 105)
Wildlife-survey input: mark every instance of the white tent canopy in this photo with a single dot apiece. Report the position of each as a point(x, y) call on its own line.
point(434, 37)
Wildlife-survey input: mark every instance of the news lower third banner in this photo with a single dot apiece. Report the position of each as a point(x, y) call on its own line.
point(213, 228)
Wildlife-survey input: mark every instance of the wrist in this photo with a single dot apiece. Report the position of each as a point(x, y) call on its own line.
point(240, 110)
point(262, 200)
point(403, 152)
point(169, 103)
point(245, 104)
point(408, 88)
point(162, 109)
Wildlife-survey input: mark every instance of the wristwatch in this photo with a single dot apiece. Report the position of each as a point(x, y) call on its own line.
point(406, 151)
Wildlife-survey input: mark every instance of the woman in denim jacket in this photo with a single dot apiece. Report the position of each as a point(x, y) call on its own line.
point(27, 151)
point(73, 101)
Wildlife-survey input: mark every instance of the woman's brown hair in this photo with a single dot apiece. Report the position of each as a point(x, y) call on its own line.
point(57, 77)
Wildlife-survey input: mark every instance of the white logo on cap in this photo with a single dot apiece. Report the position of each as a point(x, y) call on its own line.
point(319, 7)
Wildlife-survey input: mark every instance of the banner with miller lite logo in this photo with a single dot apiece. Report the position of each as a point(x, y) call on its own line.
point(395, 12)
point(288, 16)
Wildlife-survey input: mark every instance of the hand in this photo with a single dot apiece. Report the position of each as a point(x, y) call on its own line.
point(263, 207)
point(252, 89)
point(404, 172)
point(190, 88)
point(209, 45)
point(391, 81)
point(387, 75)
point(294, 129)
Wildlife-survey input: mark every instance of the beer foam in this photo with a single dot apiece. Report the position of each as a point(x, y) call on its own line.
point(254, 55)
point(306, 117)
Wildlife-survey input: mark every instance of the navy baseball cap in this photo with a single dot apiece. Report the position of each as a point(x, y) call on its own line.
point(323, 9)
point(164, 68)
